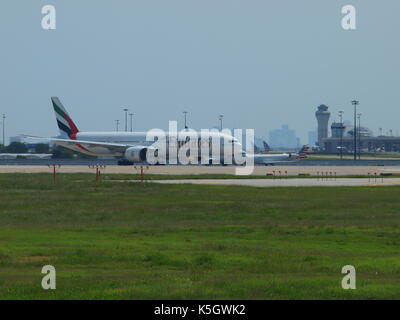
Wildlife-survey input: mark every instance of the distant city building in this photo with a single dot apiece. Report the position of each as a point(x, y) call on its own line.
point(283, 138)
point(312, 138)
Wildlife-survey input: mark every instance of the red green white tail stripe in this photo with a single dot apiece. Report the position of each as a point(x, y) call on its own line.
point(64, 122)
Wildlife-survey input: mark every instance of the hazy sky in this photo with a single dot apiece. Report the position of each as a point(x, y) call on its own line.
point(261, 63)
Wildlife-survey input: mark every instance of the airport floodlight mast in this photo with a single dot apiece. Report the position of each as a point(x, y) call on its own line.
point(355, 103)
point(131, 120)
point(117, 124)
point(185, 115)
point(126, 119)
point(221, 116)
point(4, 130)
point(341, 134)
point(359, 135)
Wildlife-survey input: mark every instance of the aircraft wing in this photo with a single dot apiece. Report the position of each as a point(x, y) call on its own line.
point(83, 144)
point(113, 147)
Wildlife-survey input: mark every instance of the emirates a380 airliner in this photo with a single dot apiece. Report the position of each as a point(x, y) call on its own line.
point(134, 147)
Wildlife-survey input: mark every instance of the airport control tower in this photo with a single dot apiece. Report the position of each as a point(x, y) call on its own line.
point(322, 116)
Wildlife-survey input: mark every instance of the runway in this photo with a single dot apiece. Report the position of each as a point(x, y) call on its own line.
point(341, 182)
point(323, 162)
point(229, 170)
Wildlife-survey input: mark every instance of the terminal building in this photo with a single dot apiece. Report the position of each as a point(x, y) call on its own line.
point(342, 136)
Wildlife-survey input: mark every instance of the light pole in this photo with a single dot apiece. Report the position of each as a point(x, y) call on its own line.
point(117, 124)
point(131, 120)
point(341, 134)
point(355, 103)
point(4, 130)
point(185, 115)
point(359, 135)
point(221, 116)
point(126, 119)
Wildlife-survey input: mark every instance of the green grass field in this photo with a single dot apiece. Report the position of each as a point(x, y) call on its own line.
point(121, 240)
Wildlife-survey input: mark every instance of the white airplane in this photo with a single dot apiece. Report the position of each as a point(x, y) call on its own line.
point(25, 155)
point(273, 159)
point(134, 146)
point(270, 159)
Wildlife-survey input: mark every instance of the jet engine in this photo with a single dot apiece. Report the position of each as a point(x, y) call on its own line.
point(137, 153)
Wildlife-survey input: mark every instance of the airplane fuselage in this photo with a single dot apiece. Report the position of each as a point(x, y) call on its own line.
point(213, 141)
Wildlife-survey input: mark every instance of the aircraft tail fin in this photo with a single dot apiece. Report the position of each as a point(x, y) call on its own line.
point(303, 152)
point(65, 124)
point(266, 147)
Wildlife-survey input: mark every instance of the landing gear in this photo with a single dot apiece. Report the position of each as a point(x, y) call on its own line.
point(124, 162)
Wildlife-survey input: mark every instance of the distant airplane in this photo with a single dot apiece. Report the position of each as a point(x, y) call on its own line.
point(133, 146)
point(25, 155)
point(277, 158)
